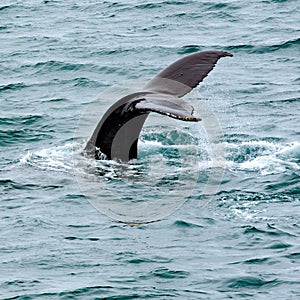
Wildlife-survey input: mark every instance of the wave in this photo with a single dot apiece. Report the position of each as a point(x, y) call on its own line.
point(169, 274)
point(270, 231)
point(57, 65)
point(8, 184)
point(250, 282)
point(17, 129)
point(249, 48)
point(4, 7)
point(189, 49)
point(184, 169)
point(20, 120)
point(263, 156)
point(78, 81)
point(58, 159)
point(153, 5)
point(12, 86)
point(17, 136)
point(44, 67)
point(250, 206)
point(260, 49)
point(85, 291)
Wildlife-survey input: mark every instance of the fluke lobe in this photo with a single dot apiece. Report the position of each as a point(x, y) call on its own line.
point(117, 133)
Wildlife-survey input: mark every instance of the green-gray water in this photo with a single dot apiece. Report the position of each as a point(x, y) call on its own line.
point(56, 58)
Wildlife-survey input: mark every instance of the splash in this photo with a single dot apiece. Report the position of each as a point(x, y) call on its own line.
point(265, 157)
point(57, 159)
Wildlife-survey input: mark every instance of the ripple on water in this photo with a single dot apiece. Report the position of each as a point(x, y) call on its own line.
point(57, 56)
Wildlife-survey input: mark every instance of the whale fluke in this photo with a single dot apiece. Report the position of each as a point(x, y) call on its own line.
point(168, 105)
point(116, 135)
point(186, 73)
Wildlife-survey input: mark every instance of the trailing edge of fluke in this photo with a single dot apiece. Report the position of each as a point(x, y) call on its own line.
point(117, 133)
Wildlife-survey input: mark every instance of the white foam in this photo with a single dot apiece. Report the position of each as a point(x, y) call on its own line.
point(262, 156)
point(55, 158)
point(291, 151)
point(267, 157)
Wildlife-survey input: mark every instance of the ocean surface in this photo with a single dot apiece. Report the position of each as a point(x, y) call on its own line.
point(218, 224)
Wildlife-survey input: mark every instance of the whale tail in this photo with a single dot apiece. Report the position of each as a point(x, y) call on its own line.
point(168, 105)
point(117, 133)
point(183, 75)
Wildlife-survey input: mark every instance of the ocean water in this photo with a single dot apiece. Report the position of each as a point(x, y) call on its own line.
point(228, 226)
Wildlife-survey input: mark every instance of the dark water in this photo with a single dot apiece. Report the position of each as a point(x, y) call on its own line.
point(56, 58)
